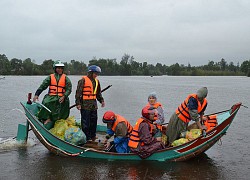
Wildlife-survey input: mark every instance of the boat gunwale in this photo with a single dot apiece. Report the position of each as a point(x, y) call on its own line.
point(181, 156)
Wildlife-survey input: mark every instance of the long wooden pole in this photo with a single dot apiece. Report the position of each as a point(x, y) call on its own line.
point(101, 91)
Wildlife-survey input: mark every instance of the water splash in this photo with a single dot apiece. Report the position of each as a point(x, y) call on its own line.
point(17, 109)
point(7, 115)
point(12, 144)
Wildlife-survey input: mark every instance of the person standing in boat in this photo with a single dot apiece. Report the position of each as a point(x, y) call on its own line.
point(118, 126)
point(192, 108)
point(56, 100)
point(87, 92)
point(159, 114)
point(142, 140)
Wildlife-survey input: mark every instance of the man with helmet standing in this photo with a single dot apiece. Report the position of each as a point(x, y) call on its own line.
point(56, 100)
point(120, 128)
point(142, 140)
point(87, 92)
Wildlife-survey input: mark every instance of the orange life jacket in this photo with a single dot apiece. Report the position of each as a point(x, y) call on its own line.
point(134, 139)
point(211, 122)
point(156, 105)
point(57, 88)
point(89, 92)
point(119, 119)
point(182, 110)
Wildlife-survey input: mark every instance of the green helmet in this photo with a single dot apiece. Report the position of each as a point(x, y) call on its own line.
point(58, 63)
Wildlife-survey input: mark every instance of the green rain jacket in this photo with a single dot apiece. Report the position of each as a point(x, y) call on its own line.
point(58, 110)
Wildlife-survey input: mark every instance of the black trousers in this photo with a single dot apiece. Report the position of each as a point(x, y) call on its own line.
point(89, 123)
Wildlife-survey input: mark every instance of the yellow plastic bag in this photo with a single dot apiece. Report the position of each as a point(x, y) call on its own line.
point(179, 142)
point(193, 134)
point(59, 128)
point(71, 121)
point(164, 139)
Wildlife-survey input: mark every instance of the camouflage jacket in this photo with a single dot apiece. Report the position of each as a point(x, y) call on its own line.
point(88, 104)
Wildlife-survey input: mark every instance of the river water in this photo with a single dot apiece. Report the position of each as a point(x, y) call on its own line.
point(229, 159)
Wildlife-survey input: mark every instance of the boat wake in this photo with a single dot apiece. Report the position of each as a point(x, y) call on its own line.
point(11, 143)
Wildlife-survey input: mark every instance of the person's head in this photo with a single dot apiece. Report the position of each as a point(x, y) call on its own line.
point(58, 67)
point(202, 93)
point(109, 118)
point(152, 98)
point(94, 71)
point(148, 113)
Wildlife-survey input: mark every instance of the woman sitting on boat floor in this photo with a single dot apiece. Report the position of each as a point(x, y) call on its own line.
point(159, 114)
point(120, 128)
point(142, 140)
point(56, 100)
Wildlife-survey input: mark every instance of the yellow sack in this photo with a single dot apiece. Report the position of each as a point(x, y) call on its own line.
point(60, 127)
point(164, 139)
point(71, 121)
point(179, 142)
point(193, 134)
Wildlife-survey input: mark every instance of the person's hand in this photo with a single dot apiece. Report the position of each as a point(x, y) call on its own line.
point(204, 118)
point(107, 145)
point(204, 127)
point(35, 98)
point(105, 141)
point(103, 104)
point(61, 99)
point(78, 107)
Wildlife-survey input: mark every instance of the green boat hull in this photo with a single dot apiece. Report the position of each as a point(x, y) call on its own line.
point(180, 153)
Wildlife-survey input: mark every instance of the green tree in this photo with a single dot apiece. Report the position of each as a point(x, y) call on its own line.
point(245, 67)
point(4, 65)
point(47, 67)
point(28, 67)
point(16, 66)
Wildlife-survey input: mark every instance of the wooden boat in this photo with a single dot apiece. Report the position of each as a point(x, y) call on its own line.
point(179, 153)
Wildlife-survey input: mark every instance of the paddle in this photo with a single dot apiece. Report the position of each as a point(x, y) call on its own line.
point(218, 112)
point(101, 91)
point(223, 111)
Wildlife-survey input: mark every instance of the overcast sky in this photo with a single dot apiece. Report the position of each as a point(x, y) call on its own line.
point(164, 31)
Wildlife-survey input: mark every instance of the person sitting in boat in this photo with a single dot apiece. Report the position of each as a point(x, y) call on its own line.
point(120, 128)
point(159, 114)
point(142, 140)
point(192, 108)
point(56, 100)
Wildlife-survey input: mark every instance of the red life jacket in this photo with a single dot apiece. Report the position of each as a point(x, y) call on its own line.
point(134, 139)
point(89, 92)
point(183, 111)
point(57, 88)
point(119, 119)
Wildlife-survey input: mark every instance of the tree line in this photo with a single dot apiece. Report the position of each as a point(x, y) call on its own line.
point(126, 67)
